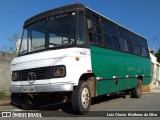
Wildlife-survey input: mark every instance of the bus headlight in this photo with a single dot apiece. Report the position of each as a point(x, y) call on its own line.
point(14, 76)
point(59, 71)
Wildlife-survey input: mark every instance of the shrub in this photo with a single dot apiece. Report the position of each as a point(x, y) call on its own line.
point(2, 94)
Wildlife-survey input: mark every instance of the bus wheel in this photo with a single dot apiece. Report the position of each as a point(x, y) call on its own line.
point(137, 91)
point(16, 100)
point(81, 98)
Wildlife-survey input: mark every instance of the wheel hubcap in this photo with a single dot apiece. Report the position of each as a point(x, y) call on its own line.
point(85, 97)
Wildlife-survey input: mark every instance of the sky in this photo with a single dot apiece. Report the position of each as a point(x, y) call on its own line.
point(140, 16)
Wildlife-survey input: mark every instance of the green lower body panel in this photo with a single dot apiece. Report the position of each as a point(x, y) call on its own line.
point(114, 85)
point(107, 64)
point(147, 80)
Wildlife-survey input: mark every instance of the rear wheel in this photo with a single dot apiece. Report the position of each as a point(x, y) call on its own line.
point(137, 91)
point(81, 98)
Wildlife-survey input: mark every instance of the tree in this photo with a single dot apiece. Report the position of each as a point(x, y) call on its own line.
point(14, 41)
point(158, 55)
point(13, 44)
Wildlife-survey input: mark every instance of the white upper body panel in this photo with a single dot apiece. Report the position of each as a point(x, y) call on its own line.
point(67, 57)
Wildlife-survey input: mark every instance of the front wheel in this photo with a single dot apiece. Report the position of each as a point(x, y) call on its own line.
point(81, 98)
point(137, 91)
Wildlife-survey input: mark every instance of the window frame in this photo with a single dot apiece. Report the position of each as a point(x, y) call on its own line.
point(92, 33)
point(137, 51)
point(110, 23)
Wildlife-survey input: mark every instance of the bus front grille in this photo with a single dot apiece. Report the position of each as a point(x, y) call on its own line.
point(40, 73)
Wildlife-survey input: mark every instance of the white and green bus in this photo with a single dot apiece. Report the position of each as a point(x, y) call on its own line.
point(73, 53)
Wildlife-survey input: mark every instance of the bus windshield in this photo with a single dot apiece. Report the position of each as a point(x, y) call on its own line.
point(51, 32)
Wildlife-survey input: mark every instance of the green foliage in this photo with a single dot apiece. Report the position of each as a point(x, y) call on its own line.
point(158, 55)
point(2, 94)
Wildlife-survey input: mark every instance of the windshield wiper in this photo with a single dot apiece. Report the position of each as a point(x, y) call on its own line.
point(45, 45)
point(24, 51)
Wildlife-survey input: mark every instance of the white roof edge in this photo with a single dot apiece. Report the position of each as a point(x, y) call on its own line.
point(114, 22)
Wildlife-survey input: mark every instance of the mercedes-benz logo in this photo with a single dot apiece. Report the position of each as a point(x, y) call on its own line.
point(31, 77)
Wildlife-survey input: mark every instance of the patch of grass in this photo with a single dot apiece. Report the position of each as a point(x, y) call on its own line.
point(2, 94)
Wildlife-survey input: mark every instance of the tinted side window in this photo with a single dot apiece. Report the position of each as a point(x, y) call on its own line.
point(111, 41)
point(109, 27)
point(129, 47)
point(135, 38)
point(137, 49)
point(145, 52)
point(115, 42)
point(123, 45)
point(96, 38)
point(143, 42)
point(124, 33)
point(94, 31)
point(107, 40)
point(81, 29)
point(95, 24)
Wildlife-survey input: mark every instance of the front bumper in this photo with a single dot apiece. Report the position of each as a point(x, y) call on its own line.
point(42, 88)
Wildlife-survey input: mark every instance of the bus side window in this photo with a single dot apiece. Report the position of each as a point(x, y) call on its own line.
point(123, 45)
point(115, 42)
point(109, 27)
point(129, 47)
point(145, 52)
point(136, 49)
point(89, 28)
point(124, 33)
point(81, 29)
point(107, 40)
point(135, 38)
point(143, 42)
point(111, 41)
point(93, 29)
point(89, 25)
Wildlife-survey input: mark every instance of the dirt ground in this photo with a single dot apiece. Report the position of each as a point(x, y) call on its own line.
point(5, 104)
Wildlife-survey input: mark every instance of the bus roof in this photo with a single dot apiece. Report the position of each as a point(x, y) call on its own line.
point(67, 8)
point(54, 11)
point(113, 21)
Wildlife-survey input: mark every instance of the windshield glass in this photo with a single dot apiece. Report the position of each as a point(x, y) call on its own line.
point(52, 32)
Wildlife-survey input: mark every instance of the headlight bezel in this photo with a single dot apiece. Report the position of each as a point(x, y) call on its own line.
point(58, 71)
point(14, 75)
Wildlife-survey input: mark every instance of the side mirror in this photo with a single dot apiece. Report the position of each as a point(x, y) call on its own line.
point(89, 24)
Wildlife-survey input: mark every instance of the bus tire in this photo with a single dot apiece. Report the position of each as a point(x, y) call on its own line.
point(137, 91)
point(16, 100)
point(81, 98)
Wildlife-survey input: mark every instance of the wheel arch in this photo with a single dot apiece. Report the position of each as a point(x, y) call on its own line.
point(90, 78)
point(141, 79)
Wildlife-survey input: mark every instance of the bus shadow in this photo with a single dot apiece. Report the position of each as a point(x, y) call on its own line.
point(105, 98)
point(65, 109)
point(57, 110)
